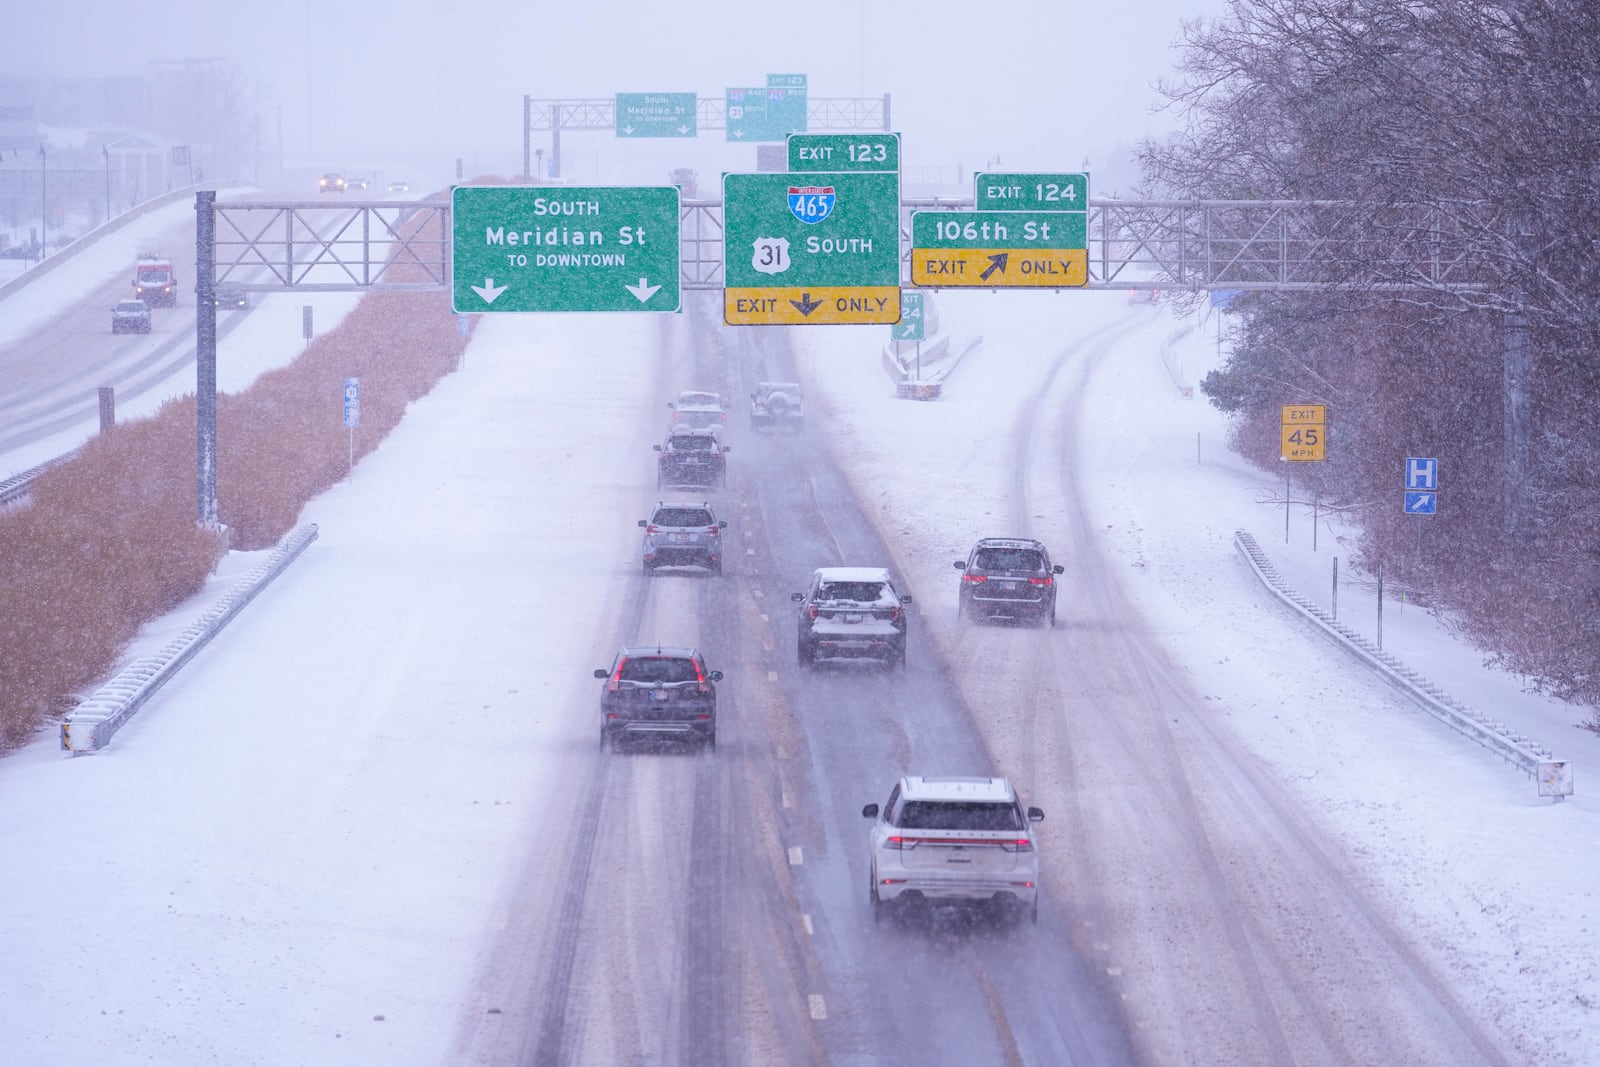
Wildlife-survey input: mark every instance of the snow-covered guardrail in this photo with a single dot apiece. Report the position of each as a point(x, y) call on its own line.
point(90, 725)
point(17, 486)
point(1532, 758)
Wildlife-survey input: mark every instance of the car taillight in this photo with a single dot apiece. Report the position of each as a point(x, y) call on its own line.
point(1021, 844)
point(652, 528)
point(900, 844)
point(1047, 580)
point(895, 613)
point(616, 676)
point(974, 577)
point(711, 529)
point(811, 611)
point(700, 679)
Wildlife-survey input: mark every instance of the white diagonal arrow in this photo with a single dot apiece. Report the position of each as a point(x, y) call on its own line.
point(489, 290)
point(644, 290)
point(683, 129)
point(627, 129)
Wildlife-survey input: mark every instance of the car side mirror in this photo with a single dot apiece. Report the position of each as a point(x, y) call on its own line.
point(643, 523)
point(961, 564)
point(671, 405)
point(601, 672)
point(906, 599)
point(1035, 814)
point(656, 447)
point(716, 676)
point(870, 811)
point(1059, 569)
point(727, 448)
point(723, 525)
point(798, 598)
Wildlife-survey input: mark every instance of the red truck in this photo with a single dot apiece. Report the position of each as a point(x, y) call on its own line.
point(156, 282)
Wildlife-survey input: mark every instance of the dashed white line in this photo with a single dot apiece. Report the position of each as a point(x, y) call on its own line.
point(749, 551)
point(772, 676)
point(788, 801)
point(794, 856)
point(805, 920)
point(819, 1007)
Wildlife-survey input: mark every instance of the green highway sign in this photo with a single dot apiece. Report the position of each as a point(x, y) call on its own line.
point(1031, 192)
point(564, 248)
point(657, 115)
point(768, 114)
point(844, 151)
point(912, 325)
point(1000, 249)
point(809, 248)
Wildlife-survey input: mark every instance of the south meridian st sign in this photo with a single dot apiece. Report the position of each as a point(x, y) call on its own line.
point(819, 244)
point(564, 248)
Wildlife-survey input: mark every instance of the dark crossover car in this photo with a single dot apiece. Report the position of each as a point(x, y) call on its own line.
point(682, 534)
point(1008, 578)
point(777, 404)
point(661, 691)
point(692, 457)
point(231, 296)
point(852, 613)
point(698, 410)
point(130, 316)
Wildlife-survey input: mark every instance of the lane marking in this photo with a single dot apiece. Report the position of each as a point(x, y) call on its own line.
point(788, 802)
point(772, 676)
point(819, 1008)
point(758, 594)
point(749, 551)
point(805, 920)
point(794, 856)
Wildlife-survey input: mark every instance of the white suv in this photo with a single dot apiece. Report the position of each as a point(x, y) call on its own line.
point(954, 841)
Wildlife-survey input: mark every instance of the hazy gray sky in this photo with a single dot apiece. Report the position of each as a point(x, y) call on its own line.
point(1041, 85)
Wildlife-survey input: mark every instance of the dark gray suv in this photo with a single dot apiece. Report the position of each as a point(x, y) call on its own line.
point(659, 690)
point(1008, 578)
point(679, 533)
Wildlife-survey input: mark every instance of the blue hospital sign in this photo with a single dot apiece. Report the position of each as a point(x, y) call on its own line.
point(1422, 474)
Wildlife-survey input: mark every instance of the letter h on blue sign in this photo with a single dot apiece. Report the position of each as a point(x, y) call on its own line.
point(1422, 473)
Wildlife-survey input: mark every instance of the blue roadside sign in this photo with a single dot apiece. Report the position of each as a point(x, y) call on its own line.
point(352, 402)
point(1421, 503)
point(1422, 473)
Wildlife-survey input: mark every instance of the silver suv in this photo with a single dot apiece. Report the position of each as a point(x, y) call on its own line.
point(679, 534)
point(852, 613)
point(953, 841)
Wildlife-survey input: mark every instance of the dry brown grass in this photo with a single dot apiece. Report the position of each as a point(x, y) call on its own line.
point(109, 540)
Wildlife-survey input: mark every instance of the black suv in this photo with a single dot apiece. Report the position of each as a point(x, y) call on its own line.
point(659, 690)
point(1008, 578)
point(852, 613)
point(682, 534)
point(692, 457)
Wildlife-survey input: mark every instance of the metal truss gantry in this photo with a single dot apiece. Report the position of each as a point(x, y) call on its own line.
point(823, 113)
point(1274, 245)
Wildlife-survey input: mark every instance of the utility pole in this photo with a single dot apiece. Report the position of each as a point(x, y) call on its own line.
point(44, 209)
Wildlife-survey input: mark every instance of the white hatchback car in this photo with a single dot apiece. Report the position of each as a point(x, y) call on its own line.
point(954, 841)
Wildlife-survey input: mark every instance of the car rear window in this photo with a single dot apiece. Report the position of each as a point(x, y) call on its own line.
point(1009, 559)
point(958, 815)
point(691, 444)
point(658, 669)
point(860, 592)
point(683, 517)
